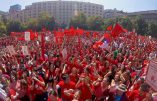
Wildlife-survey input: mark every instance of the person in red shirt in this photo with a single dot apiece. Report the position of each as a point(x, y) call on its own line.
point(39, 87)
point(85, 87)
point(64, 85)
point(138, 95)
point(20, 93)
point(74, 75)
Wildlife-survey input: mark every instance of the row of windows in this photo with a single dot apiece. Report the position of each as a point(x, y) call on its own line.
point(65, 6)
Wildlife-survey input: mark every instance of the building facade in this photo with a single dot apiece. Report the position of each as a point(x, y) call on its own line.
point(62, 11)
point(149, 16)
point(15, 8)
point(112, 13)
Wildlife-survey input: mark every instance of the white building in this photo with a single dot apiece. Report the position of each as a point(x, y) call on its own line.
point(61, 10)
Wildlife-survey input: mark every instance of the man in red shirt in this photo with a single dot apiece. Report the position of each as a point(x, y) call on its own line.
point(85, 87)
point(39, 87)
point(64, 85)
point(138, 95)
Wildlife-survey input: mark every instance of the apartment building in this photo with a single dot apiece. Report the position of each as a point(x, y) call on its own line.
point(62, 11)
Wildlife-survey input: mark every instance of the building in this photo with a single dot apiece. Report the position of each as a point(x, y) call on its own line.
point(61, 10)
point(112, 13)
point(149, 16)
point(15, 8)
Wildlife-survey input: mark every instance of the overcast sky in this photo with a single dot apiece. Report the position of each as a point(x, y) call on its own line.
point(125, 5)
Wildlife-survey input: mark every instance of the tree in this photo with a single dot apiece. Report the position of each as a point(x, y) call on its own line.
point(14, 26)
point(45, 21)
point(126, 23)
point(95, 23)
point(108, 22)
point(2, 28)
point(152, 29)
point(140, 25)
point(4, 19)
point(32, 24)
point(79, 21)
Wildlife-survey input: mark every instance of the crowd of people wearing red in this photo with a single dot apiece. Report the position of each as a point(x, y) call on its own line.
point(88, 73)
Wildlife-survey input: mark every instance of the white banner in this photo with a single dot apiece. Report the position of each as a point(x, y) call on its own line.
point(27, 36)
point(151, 77)
point(64, 53)
point(39, 38)
point(25, 50)
point(11, 50)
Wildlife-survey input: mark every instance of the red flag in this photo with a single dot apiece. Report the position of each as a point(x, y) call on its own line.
point(32, 35)
point(58, 37)
point(80, 31)
point(107, 37)
point(109, 28)
point(72, 31)
point(20, 39)
point(118, 29)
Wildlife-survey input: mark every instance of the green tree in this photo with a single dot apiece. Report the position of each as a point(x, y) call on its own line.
point(140, 25)
point(4, 19)
point(79, 21)
point(31, 24)
point(14, 26)
point(45, 21)
point(126, 23)
point(95, 23)
point(152, 29)
point(108, 22)
point(2, 28)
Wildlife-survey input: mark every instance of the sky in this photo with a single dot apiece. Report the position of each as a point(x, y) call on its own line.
point(125, 5)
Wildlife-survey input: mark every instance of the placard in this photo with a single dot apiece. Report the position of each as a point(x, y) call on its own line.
point(25, 50)
point(27, 36)
point(151, 77)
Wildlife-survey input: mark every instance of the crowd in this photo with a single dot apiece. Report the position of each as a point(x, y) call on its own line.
point(114, 73)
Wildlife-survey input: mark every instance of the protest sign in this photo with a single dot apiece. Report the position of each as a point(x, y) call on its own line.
point(25, 50)
point(151, 77)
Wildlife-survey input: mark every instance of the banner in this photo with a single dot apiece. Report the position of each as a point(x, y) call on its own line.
point(151, 77)
point(64, 53)
point(11, 50)
point(39, 38)
point(27, 36)
point(25, 50)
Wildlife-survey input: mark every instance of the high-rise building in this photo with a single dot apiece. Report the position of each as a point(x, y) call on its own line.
point(15, 8)
point(62, 11)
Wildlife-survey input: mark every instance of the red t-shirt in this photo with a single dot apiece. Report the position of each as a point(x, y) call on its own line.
point(85, 92)
point(74, 78)
point(38, 87)
point(64, 86)
point(12, 93)
point(135, 96)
